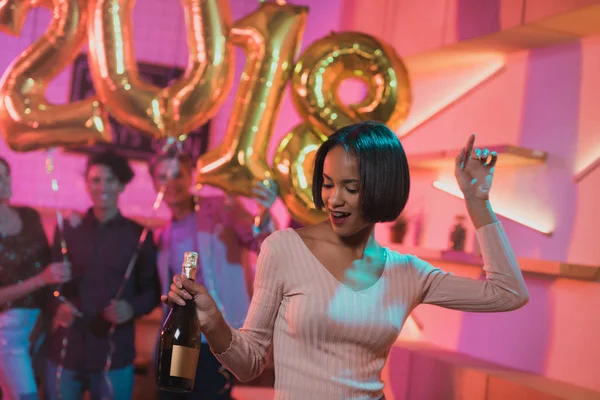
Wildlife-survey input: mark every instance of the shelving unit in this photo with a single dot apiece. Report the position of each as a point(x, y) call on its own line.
point(556, 269)
point(511, 156)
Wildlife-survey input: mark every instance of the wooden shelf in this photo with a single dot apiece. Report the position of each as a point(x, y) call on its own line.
point(556, 269)
point(561, 269)
point(474, 378)
point(509, 156)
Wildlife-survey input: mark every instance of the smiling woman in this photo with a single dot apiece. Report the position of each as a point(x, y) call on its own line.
point(329, 299)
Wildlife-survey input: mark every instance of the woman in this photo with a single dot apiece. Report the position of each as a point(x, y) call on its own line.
point(24, 251)
point(329, 298)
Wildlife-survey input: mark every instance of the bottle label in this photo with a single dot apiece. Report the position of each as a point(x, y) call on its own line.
point(184, 362)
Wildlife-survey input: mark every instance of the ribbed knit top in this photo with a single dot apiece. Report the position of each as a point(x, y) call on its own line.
point(331, 342)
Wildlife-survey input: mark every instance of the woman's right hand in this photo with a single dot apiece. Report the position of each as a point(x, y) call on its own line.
point(184, 289)
point(56, 273)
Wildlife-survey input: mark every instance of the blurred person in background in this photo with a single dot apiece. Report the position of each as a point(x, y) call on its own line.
point(221, 231)
point(100, 248)
point(25, 271)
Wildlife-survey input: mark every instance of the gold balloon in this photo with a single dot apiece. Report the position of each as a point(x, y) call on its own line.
point(13, 13)
point(208, 78)
point(315, 83)
point(270, 36)
point(293, 169)
point(329, 61)
point(188, 102)
point(28, 121)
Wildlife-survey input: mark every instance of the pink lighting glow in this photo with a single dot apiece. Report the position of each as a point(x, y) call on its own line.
point(453, 78)
point(514, 212)
point(587, 166)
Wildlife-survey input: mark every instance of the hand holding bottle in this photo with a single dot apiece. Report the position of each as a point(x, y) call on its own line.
point(179, 343)
point(184, 289)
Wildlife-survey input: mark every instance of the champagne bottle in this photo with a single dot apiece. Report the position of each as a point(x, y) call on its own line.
point(179, 344)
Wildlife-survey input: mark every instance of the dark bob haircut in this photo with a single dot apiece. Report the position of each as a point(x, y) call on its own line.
point(116, 163)
point(384, 175)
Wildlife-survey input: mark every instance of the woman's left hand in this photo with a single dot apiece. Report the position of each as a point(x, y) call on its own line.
point(474, 171)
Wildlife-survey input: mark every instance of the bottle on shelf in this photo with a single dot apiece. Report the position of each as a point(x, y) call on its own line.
point(458, 235)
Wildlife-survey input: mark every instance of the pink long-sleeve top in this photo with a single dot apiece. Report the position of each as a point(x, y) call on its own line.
point(331, 342)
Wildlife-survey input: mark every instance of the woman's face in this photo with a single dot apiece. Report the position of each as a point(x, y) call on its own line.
point(5, 184)
point(340, 192)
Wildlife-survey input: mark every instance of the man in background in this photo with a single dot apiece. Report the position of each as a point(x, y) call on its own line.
point(100, 249)
point(220, 230)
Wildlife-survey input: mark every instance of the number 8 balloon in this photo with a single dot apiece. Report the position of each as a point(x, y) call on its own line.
point(317, 77)
point(326, 63)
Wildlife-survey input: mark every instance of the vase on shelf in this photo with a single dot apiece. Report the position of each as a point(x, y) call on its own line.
point(458, 234)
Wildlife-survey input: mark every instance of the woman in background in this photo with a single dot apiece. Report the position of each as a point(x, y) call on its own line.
point(24, 270)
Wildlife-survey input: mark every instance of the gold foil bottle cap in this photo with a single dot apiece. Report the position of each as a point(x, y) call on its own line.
point(190, 263)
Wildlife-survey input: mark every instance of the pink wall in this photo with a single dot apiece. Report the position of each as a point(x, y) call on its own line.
point(545, 99)
point(552, 93)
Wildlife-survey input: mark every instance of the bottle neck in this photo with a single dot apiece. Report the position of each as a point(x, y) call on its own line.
point(189, 307)
point(189, 272)
point(185, 312)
